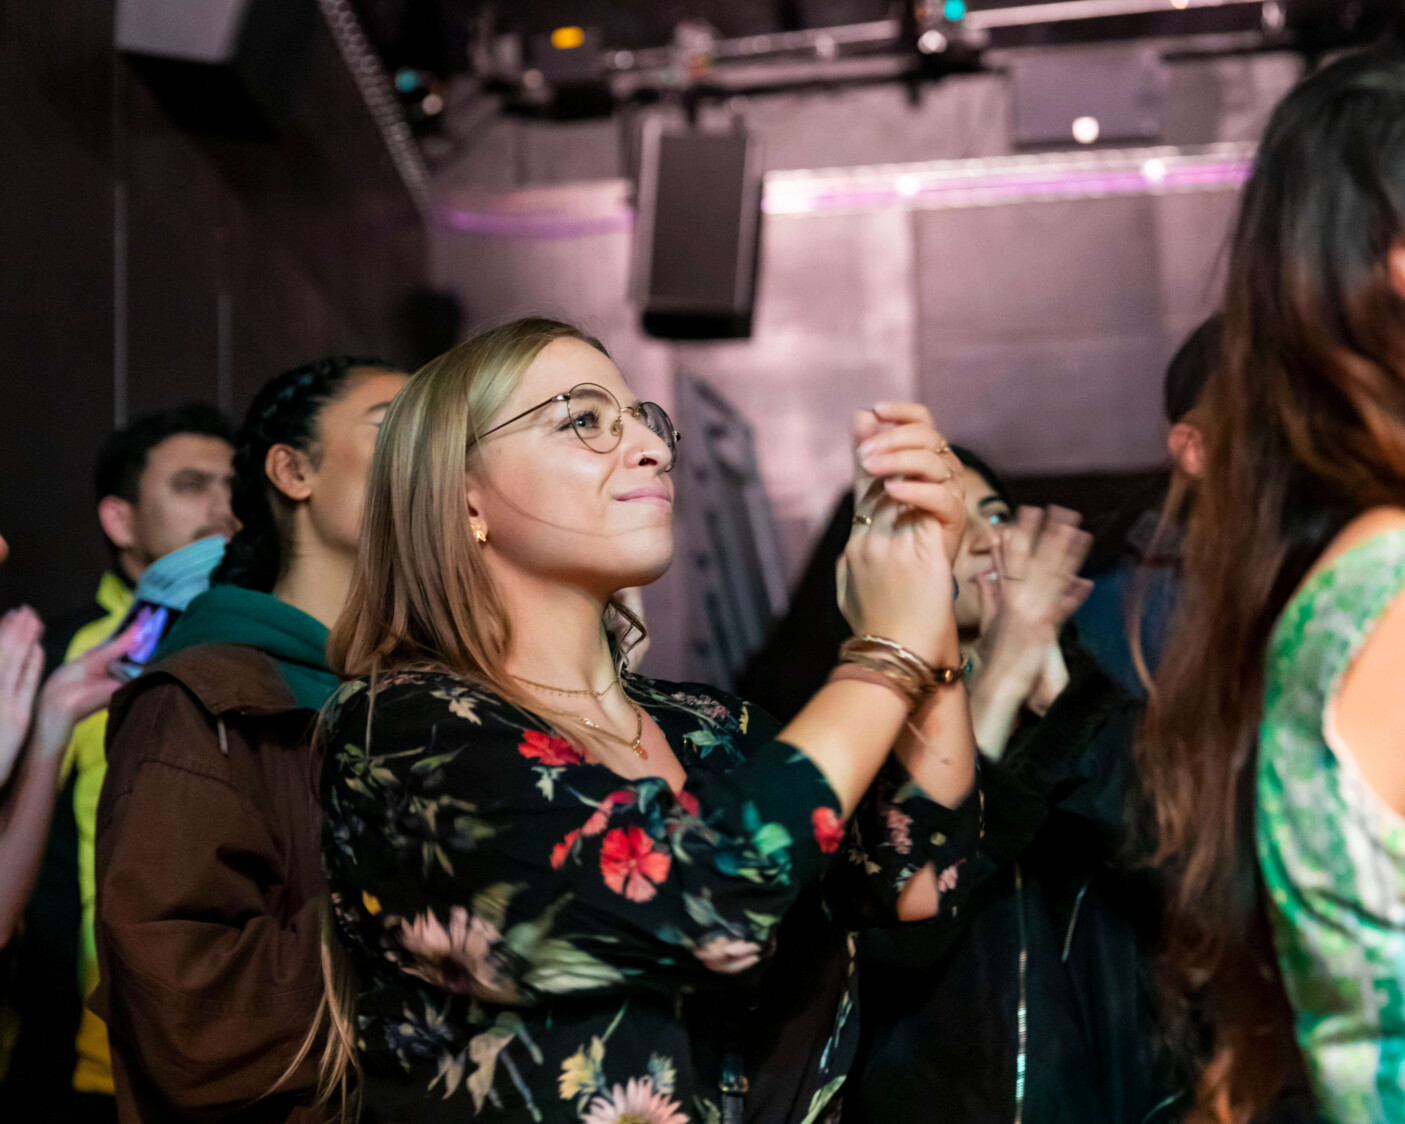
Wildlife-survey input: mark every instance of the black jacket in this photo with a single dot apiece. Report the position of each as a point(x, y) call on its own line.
point(1056, 930)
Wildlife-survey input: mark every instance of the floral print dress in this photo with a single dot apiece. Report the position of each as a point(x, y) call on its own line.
point(537, 938)
point(1331, 850)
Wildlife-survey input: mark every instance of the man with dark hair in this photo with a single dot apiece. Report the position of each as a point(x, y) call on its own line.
point(1145, 577)
point(161, 483)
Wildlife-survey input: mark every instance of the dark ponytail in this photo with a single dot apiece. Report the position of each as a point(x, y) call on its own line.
point(284, 412)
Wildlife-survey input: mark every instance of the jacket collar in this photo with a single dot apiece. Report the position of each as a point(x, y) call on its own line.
point(114, 594)
point(229, 678)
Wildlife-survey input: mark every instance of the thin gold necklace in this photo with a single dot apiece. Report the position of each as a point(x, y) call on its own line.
point(634, 746)
point(568, 690)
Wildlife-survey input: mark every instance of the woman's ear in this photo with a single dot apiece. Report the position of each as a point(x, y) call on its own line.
point(290, 471)
point(1187, 448)
point(473, 494)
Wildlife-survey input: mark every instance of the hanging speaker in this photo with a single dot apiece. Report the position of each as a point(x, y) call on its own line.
point(230, 67)
point(695, 244)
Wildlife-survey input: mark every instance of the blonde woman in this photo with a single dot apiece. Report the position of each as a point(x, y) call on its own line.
point(560, 883)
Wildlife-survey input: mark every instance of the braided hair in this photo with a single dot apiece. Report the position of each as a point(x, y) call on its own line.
point(283, 412)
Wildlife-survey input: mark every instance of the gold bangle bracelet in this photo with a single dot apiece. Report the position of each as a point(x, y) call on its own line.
point(882, 654)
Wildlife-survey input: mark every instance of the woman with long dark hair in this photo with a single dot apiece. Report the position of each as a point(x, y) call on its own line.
point(558, 882)
point(208, 869)
point(1272, 753)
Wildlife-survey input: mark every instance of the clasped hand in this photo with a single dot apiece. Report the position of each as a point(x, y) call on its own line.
point(1036, 589)
point(894, 577)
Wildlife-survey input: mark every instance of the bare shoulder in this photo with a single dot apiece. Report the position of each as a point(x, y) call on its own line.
point(1366, 526)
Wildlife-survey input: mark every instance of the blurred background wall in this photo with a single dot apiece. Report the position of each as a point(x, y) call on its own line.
point(142, 264)
point(1036, 326)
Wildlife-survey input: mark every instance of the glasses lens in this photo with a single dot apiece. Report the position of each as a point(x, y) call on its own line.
point(652, 415)
point(594, 414)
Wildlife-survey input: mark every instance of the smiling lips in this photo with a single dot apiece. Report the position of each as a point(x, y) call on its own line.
point(657, 494)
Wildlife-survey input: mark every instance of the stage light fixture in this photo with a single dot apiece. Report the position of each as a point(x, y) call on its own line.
point(1086, 130)
point(568, 38)
point(932, 42)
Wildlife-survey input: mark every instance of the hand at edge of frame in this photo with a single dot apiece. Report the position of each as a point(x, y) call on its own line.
point(21, 666)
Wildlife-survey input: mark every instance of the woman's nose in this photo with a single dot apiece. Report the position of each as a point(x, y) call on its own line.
point(982, 536)
point(641, 443)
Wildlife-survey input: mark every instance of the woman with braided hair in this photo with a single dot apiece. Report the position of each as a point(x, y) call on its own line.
point(208, 871)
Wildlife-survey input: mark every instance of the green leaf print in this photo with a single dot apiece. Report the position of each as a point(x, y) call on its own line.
point(547, 776)
point(451, 1067)
point(559, 967)
point(820, 1101)
point(701, 909)
point(492, 904)
point(708, 1112)
point(484, 1050)
point(772, 839)
point(431, 764)
point(764, 922)
point(665, 1076)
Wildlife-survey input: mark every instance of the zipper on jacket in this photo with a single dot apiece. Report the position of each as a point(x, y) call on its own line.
point(224, 737)
point(1022, 1015)
point(1073, 920)
point(1163, 1104)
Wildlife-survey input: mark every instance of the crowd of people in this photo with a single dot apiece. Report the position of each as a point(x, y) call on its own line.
point(372, 820)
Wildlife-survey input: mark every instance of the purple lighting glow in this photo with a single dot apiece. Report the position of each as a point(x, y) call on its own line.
point(594, 209)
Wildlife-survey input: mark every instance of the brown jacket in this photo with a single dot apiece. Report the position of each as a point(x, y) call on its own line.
point(209, 883)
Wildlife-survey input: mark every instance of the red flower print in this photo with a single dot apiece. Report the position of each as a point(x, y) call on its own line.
point(688, 801)
point(562, 849)
point(630, 864)
point(829, 829)
point(548, 750)
point(600, 818)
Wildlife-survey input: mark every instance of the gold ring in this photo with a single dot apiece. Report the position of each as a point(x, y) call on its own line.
point(944, 447)
point(863, 520)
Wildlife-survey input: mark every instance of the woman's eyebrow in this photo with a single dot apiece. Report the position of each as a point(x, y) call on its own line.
point(990, 500)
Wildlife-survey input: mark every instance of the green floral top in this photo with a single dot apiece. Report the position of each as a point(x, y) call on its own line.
point(530, 930)
point(1333, 853)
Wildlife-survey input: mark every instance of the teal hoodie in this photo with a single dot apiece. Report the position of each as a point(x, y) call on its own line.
point(297, 643)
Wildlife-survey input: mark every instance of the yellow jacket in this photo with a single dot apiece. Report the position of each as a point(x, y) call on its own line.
point(93, 1073)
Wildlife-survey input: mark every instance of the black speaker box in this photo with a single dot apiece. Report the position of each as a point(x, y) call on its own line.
point(696, 240)
point(228, 67)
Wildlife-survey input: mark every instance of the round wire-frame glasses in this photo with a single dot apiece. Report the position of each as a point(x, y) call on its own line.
point(589, 405)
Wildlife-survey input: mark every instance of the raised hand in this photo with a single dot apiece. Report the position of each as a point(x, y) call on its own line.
point(895, 574)
point(1038, 589)
point(77, 689)
point(898, 452)
point(21, 665)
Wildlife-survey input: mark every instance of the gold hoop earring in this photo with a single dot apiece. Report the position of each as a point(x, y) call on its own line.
point(480, 532)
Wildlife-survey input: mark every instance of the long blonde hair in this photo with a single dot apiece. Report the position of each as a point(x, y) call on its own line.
point(422, 597)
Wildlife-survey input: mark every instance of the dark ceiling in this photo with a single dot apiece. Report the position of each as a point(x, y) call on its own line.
point(437, 35)
point(434, 34)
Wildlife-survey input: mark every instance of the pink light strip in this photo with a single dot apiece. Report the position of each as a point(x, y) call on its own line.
point(936, 190)
point(1007, 187)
